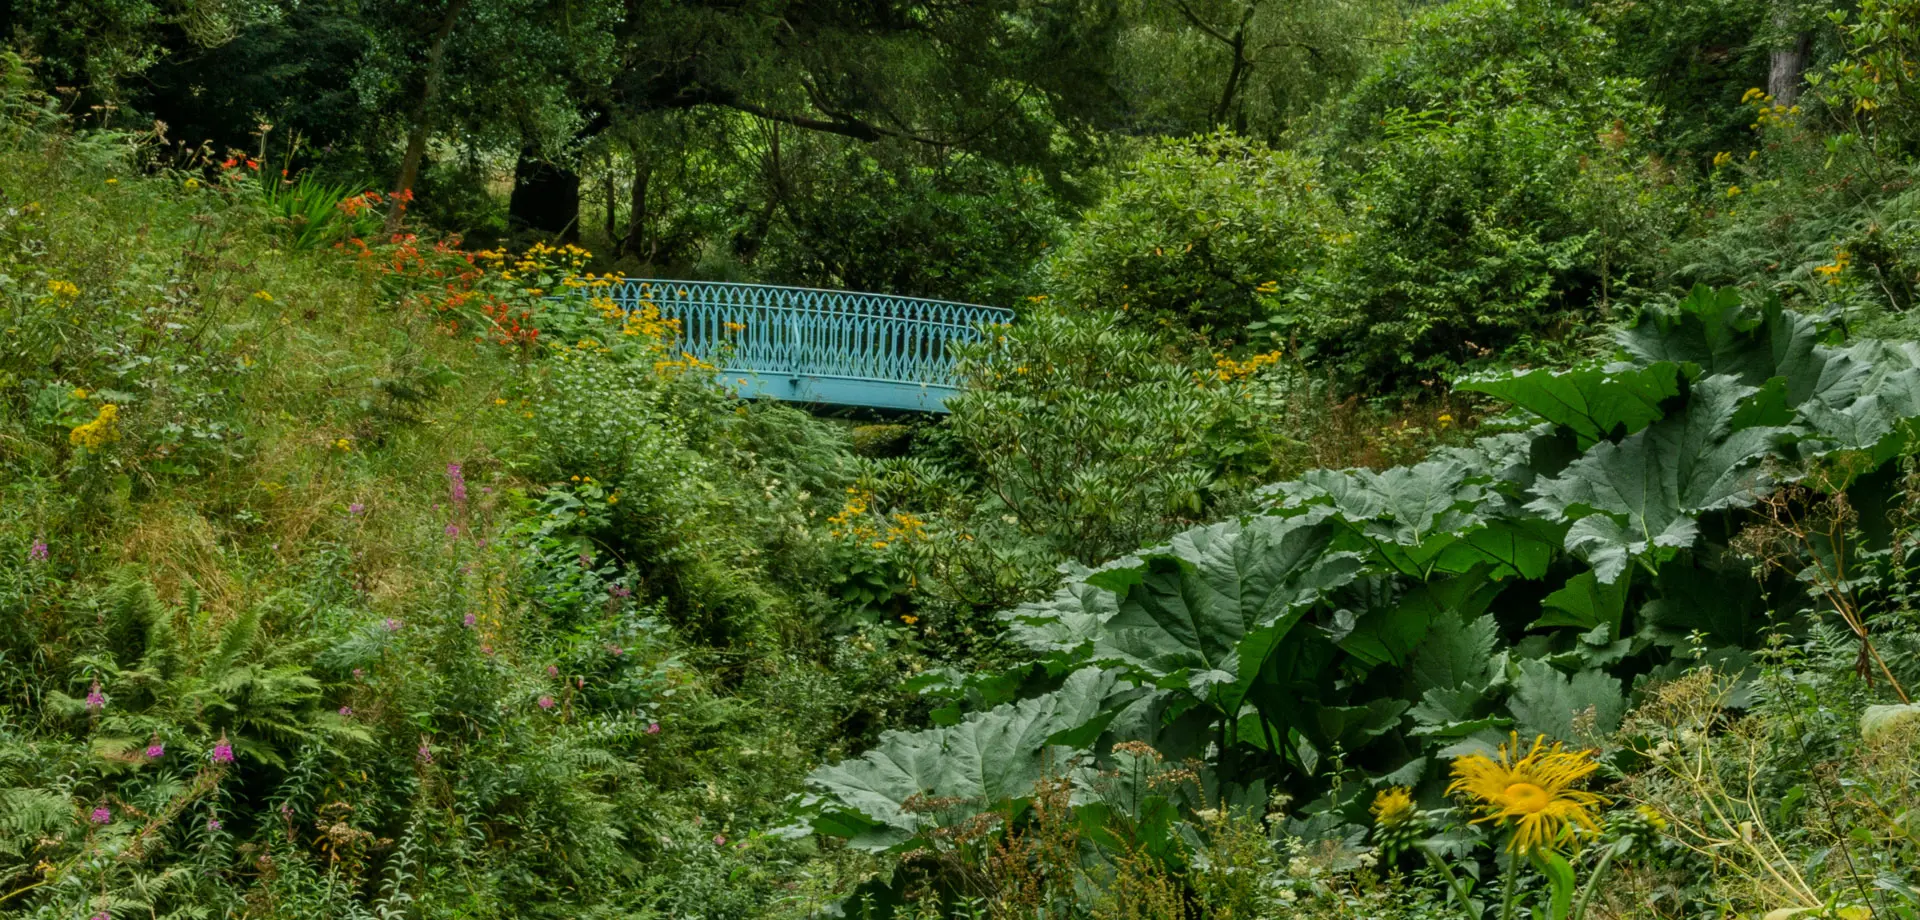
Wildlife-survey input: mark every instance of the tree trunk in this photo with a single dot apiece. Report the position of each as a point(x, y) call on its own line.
point(637, 218)
point(1789, 60)
point(546, 198)
point(417, 123)
point(608, 195)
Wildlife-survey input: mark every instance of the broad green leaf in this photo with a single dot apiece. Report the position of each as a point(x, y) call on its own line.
point(1408, 515)
point(1547, 702)
point(1584, 603)
point(1216, 602)
point(1390, 635)
point(1595, 403)
point(1514, 547)
point(988, 758)
point(1713, 333)
point(1647, 491)
point(1877, 415)
point(1065, 622)
point(1457, 652)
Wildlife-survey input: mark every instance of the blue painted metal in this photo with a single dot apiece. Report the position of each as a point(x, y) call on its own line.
point(818, 346)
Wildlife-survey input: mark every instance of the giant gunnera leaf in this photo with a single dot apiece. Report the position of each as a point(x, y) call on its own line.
point(917, 780)
point(1648, 491)
point(1203, 612)
point(1408, 516)
point(1595, 403)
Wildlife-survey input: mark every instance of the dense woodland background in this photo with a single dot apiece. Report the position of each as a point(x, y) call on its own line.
point(1394, 384)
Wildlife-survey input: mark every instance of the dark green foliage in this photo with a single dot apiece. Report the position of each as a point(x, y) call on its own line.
point(1379, 620)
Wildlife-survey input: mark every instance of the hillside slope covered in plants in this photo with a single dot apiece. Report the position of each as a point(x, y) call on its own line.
point(1451, 461)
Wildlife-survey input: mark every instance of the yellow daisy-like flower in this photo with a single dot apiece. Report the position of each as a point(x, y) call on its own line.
point(1534, 792)
point(1393, 806)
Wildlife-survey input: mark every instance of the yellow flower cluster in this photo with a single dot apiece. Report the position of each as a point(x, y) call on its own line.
point(97, 433)
point(1767, 112)
point(1832, 270)
point(668, 367)
point(65, 290)
point(1721, 159)
point(542, 257)
point(1225, 368)
point(588, 280)
point(851, 519)
point(853, 522)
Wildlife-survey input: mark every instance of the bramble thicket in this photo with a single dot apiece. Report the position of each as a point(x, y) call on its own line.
point(1449, 460)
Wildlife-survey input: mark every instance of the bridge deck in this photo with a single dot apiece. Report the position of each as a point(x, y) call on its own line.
point(820, 346)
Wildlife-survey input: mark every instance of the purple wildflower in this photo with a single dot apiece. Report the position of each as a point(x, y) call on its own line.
point(346, 712)
point(553, 671)
point(101, 815)
point(653, 728)
point(356, 508)
point(223, 751)
point(620, 591)
point(482, 543)
point(586, 560)
point(392, 625)
point(156, 750)
point(719, 840)
point(213, 824)
point(469, 620)
point(453, 530)
point(546, 702)
point(486, 649)
point(96, 700)
point(426, 754)
point(38, 551)
point(456, 483)
point(103, 915)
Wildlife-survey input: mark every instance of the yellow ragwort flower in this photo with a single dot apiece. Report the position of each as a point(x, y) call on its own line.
point(1534, 792)
point(95, 434)
point(1393, 806)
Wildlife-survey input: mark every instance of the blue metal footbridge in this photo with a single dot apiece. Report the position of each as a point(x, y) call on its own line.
point(818, 346)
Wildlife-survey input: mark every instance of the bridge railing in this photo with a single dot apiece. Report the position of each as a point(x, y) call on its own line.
point(812, 334)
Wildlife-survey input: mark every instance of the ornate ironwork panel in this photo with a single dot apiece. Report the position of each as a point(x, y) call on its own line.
point(815, 345)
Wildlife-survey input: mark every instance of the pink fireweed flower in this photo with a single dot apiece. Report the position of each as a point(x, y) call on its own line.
point(392, 625)
point(356, 508)
point(213, 824)
point(546, 702)
point(223, 751)
point(156, 750)
point(426, 754)
point(453, 530)
point(101, 815)
point(653, 728)
point(553, 671)
point(38, 551)
point(719, 840)
point(346, 712)
point(456, 483)
point(96, 700)
point(620, 591)
point(469, 620)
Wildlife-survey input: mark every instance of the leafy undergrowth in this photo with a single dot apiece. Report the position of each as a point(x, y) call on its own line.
point(328, 591)
point(1659, 563)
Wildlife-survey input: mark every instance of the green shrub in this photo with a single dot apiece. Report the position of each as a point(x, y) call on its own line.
point(1196, 233)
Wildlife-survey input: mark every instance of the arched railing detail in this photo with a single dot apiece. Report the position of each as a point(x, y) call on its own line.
point(814, 345)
